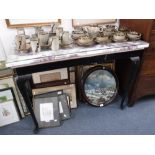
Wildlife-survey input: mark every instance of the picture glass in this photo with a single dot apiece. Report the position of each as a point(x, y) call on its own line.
point(8, 113)
point(100, 87)
point(46, 112)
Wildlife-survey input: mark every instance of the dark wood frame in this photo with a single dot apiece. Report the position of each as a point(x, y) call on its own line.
point(73, 25)
point(9, 25)
point(80, 71)
point(54, 83)
point(87, 73)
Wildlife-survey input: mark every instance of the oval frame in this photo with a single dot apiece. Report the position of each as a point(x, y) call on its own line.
point(87, 73)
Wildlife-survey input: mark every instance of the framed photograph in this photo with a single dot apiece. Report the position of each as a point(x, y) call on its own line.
point(68, 89)
point(9, 112)
point(84, 22)
point(52, 77)
point(22, 23)
point(46, 110)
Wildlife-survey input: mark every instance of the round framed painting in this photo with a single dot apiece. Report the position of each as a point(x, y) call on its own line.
point(99, 86)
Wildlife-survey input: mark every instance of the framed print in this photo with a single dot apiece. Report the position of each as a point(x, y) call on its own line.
point(64, 108)
point(99, 86)
point(47, 111)
point(84, 22)
point(9, 112)
point(68, 89)
point(52, 77)
point(80, 71)
point(9, 81)
point(22, 23)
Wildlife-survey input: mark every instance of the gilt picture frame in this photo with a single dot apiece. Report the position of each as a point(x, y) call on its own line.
point(23, 23)
point(91, 22)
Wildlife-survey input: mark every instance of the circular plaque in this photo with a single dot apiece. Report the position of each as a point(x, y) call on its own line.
point(99, 86)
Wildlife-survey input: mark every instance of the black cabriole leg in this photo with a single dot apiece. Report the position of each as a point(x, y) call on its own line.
point(23, 83)
point(134, 70)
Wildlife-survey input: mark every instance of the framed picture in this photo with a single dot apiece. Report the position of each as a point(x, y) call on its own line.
point(68, 89)
point(80, 71)
point(84, 22)
point(99, 86)
point(46, 110)
point(22, 23)
point(9, 112)
point(9, 82)
point(56, 75)
point(64, 104)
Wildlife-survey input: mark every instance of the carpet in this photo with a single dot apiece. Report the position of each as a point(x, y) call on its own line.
point(88, 120)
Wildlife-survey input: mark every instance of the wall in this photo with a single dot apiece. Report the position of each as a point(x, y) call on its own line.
point(7, 36)
point(2, 53)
